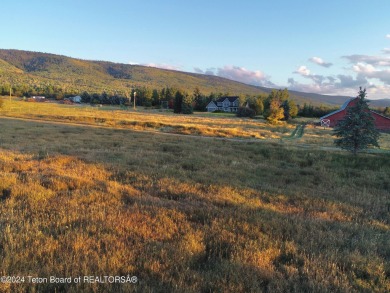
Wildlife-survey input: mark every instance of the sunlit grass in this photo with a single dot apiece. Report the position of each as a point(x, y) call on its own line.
point(155, 120)
point(190, 214)
point(152, 120)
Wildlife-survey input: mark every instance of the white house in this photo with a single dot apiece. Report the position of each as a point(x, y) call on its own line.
point(76, 99)
point(226, 104)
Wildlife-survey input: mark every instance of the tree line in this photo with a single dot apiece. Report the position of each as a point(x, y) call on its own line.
point(275, 106)
point(278, 106)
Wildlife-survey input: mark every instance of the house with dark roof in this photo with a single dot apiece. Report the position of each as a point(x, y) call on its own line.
point(226, 104)
point(381, 122)
point(38, 98)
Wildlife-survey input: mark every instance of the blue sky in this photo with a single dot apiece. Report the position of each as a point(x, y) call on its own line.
point(327, 47)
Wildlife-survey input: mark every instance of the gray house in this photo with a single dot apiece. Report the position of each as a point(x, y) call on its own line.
point(76, 99)
point(226, 104)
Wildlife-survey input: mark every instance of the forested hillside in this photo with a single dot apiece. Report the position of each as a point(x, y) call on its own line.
point(41, 72)
point(33, 73)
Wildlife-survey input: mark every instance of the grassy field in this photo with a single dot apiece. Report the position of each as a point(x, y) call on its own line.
point(188, 213)
point(221, 125)
point(206, 124)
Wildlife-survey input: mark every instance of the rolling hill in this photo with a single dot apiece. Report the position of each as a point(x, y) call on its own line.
point(39, 70)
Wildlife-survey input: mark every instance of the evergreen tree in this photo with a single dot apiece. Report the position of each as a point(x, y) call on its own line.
point(85, 97)
point(290, 109)
point(186, 105)
point(306, 111)
point(183, 103)
point(167, 94)
point(95, 99)
point(286, 110)
point(293, 109)
point(155, 98)
point(200, 100)
point(104, 98)
point(357, 131)
point(177, 107)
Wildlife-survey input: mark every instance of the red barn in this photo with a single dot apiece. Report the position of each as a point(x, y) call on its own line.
point(381, 122)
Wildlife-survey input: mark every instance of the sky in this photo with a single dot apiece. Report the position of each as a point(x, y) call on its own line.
point(327, 47)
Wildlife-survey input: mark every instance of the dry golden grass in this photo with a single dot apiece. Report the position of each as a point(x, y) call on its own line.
point(190, 214)
point(152, 120)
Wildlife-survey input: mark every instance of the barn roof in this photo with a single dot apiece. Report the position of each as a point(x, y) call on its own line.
point(379, 114)
point(343, 107)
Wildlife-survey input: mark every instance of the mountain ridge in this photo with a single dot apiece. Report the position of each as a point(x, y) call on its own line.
point(78, 75)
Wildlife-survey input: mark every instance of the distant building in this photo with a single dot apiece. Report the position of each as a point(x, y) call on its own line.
point(76, 99)
point(38, 97)
point(226, 104)
point(381, 122)
point(211, 107)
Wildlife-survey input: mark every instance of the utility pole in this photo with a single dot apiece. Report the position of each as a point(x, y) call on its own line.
point(135, 94)
point(129, 97)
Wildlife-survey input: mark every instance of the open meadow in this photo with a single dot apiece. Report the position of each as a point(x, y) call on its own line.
point(235, 205)
point(206, 124)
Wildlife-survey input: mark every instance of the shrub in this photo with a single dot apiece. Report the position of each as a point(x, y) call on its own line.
point(245, 112)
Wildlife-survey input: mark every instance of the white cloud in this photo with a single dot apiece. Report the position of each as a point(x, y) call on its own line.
point(208, 71)
point(363, 68)
point(386, 50)
point(371, 67)
point(371, 72)
point(320, 61)
point(373, 60)
point(340, 85)
point(382, 75)
point(244, 75)
point(379, 91)
point(348, 81)
point(198, 70)
point(303, 70)
point(347, 84)
point(297, 86)
point(388, 36)
point(162, 66)
point(331, 85)
point(239, 74)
